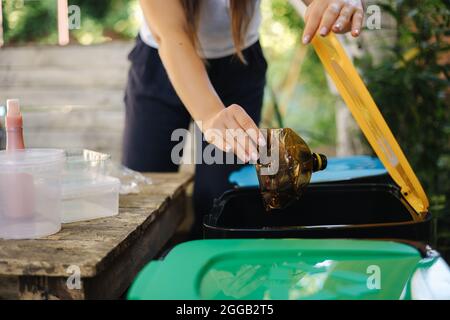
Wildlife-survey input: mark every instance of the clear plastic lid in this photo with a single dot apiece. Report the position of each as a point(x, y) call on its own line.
point(89, 187)
point(11, 160)
point(369, 118)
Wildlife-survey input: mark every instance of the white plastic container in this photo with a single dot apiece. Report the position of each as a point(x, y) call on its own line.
point(90, 199)
point(30, 193)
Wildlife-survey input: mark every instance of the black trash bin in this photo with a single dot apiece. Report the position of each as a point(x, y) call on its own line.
point(353, 210)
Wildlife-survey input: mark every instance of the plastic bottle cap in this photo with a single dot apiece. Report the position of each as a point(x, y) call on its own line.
point(13, 107)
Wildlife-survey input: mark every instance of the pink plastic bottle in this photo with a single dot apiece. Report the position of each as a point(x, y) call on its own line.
point(14, 126)
point(16, 187)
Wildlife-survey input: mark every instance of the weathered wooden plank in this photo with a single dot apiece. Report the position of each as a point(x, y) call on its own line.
point(81, 138)
point(96, 119)
point(93, 245)
point(37, 288)
point(106, 55)
point(120, 267)
point(9, 288)
point(55, 78)
point(98, 129)
point(43, 97)
point(106, 142)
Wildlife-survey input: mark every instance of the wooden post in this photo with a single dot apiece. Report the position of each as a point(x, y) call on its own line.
point(63, 22)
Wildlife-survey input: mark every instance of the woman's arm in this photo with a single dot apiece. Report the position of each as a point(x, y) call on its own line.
point(188, 75)
point(339, 16)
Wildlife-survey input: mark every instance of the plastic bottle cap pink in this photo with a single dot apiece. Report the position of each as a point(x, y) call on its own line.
point(13, 107)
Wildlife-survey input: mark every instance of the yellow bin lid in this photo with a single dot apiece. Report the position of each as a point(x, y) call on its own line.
point(370, 120)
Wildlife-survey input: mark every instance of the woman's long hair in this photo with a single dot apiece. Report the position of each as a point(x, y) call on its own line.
point(241, 13)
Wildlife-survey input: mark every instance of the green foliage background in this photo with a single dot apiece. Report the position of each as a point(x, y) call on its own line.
point(36, 21)
point(412, 92)
point(411, 86)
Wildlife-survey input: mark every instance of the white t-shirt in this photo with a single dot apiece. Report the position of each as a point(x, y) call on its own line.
point(214, 30)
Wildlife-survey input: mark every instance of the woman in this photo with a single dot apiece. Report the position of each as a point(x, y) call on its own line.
point(201, 59)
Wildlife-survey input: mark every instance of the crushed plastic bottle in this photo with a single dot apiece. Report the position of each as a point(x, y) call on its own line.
point(285, 168)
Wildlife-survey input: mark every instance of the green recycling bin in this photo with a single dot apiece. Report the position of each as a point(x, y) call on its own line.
point(294, 269)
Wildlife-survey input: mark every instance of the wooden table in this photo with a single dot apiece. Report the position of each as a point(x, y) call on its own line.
point(105, 253)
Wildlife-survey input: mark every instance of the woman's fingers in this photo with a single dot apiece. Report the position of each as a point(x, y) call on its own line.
point(313, 18)
point(343, 22)
point(246, 132)
point(241, 143)
point(229, 140)
point(236, 138)
point(350, 18)
point(357, 21)
point(249, 126)
point(329, 17)
point(233, 129)
point(217, 137)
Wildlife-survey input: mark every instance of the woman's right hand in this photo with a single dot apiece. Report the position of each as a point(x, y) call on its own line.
point(232, 129)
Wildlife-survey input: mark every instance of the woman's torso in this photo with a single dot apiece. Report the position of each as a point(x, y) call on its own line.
point(214, 30)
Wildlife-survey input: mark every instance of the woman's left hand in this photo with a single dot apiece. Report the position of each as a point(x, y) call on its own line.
point(339, 16)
